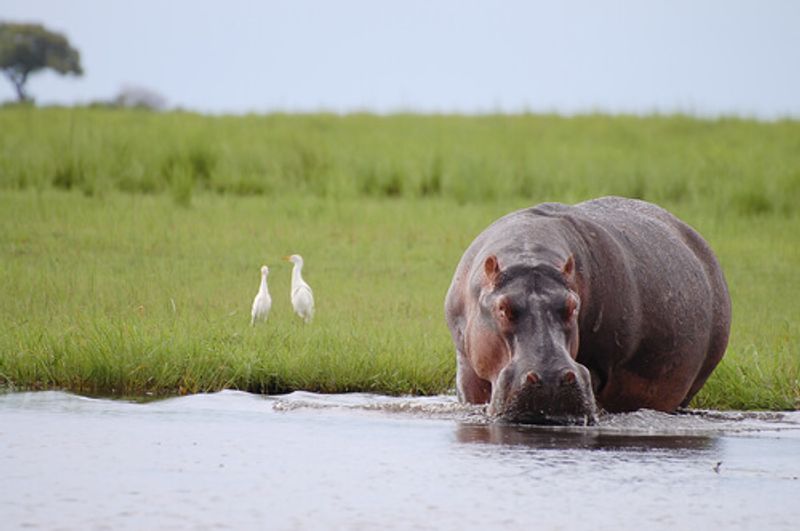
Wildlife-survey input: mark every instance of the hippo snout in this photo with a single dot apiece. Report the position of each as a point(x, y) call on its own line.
point(533, 396)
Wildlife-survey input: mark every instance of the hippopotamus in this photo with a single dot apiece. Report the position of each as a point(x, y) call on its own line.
point(559, 312)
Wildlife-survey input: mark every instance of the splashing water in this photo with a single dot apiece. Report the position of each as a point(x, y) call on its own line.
point(446, 407)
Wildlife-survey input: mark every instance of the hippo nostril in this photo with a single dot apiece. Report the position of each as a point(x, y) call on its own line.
point(568, 378)
point(532, 378)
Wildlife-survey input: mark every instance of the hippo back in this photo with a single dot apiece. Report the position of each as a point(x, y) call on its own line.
point(675, 322)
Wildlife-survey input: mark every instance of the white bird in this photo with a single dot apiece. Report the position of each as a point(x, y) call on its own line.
point(263, 302)
point(302, 297)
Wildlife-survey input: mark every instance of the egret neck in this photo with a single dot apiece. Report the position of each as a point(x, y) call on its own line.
point(297, 278)
point(263, 288)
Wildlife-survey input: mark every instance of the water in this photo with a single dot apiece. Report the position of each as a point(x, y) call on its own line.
point(306, 461)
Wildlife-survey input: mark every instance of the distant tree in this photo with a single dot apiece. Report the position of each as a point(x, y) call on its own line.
point(28, 48)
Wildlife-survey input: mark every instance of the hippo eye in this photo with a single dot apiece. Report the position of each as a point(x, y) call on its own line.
point(505, 312)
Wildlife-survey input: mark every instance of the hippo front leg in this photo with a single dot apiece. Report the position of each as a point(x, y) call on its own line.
point(470, 387)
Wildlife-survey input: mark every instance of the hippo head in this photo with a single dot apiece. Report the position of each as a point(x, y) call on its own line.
point(531, 315)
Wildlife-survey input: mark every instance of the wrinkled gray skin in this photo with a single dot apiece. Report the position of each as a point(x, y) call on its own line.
point(557, 310)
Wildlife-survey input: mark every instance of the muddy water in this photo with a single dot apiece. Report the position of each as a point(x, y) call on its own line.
point(305, 461)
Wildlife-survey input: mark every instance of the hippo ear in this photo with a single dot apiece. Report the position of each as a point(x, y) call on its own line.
point(491, 268)
point(568, 269)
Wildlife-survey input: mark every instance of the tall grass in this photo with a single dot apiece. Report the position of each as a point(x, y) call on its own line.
point(130, 242)
point(726, 164)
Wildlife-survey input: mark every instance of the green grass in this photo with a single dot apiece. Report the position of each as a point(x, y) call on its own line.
point(130, 242)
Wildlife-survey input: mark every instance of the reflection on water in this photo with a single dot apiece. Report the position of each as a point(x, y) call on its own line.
point(306, 461)
point(586, 439)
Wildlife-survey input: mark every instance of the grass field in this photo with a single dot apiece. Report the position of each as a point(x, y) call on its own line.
point(130, 242)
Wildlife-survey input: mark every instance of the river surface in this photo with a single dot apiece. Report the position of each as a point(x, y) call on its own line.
point(233, 460)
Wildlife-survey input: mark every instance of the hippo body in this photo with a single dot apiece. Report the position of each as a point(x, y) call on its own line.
point(557, 310)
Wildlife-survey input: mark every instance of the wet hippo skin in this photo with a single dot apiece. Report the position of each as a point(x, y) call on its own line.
point(558, 310)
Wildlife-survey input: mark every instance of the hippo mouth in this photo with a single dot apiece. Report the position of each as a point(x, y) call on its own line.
point(547, 417)
point(543, 405)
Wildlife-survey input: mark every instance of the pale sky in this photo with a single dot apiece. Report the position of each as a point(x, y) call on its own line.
point(705, 57)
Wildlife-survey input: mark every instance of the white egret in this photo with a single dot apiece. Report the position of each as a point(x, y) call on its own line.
point(302, 297)
point(263, 302)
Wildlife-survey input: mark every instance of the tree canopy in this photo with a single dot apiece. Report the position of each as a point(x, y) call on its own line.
point(28, 48)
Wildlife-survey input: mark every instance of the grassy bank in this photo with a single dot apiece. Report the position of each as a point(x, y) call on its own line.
point(130, 242)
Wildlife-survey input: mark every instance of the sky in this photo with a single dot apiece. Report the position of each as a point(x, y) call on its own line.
point(701, 57)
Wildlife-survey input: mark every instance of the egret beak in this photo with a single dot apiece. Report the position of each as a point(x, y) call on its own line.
point(286, 258)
